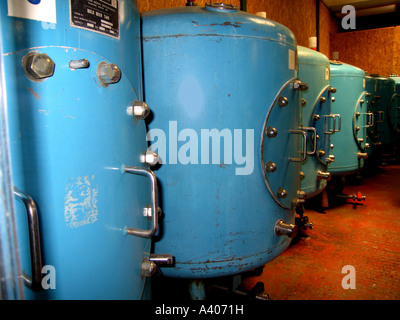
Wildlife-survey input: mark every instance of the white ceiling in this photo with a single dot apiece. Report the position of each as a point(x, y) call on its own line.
point(363, 7)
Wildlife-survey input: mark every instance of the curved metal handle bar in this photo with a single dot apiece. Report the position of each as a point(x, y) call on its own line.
point(381, 116)
point(154, 203)
point(35, 282)
point(371, 119)
point(331, 131)
point(340, 122)
point(315, 139)
point(304, 146)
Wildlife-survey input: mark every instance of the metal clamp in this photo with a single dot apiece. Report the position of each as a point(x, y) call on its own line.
point(304, 146)
point(35, 282)
point(154, 203)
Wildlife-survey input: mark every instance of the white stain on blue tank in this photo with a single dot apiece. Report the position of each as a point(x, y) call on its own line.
point(80, 202)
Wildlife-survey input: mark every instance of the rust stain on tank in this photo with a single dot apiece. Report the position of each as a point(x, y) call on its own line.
point(225, 24)
point(35, 94)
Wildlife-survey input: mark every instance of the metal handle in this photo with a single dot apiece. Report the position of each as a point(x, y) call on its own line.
point(315, 139)
point(371, 120)
point(154, 203)
point(35, 282)
point(340, 122)
point(304, 146)
point(381, 117)
point(331, 131)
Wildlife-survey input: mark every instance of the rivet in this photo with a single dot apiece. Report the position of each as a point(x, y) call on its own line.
point(282, 193)
point(283, 101)
point(271, 132)
point(270, 166)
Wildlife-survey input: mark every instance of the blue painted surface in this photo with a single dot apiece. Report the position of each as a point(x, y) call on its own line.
point(394, 109)
point(207, 70)
point(370, 96)
point(385, 90)
point(349, 82)
point(314, 70)
point(69, 138)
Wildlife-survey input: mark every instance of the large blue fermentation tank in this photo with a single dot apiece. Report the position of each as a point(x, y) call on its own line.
point(383, 131)
point(72, 73)
point(371, 100)
point(317, 113)
point(226, 117)
point(394, 109)
point(351, 105)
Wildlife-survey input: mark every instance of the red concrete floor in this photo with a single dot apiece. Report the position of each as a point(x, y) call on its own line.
point(365, 236)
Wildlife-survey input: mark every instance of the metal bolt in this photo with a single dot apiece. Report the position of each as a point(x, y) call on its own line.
point(271, 132)
point(323, 175)
point(316, 117)
point(362, 101)
point(323, 99)
point(357, 128)
point(148, 268)
point(358, 114)
point(332, 90)
point(333, 99)
point(285, 229)
point(148, 212)
point(303, 102)
point(139, 110)
point(298, 85)
point(367, 145)
point(321, 153)
point(360, 140)
point(270, 167)
point(38, 66)
point(108, 73)
point(150, 158)
point(332, 145)
point(283, 101)
point(362, 155)
point(302, 175)
point(79, 64)
point(301, 194)
point(296, 202)
point(282, 193)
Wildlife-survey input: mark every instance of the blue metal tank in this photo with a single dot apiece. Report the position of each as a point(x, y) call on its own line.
point(351, 105)
point(226, 124)
point(317, 113)
point(73, 80)
point(385, 93)
point(394, 108)
point(370, 96)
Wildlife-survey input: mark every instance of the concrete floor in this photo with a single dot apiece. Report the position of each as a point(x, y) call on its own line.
point(365, 236)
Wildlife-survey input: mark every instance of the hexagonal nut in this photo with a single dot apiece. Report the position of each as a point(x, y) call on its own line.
point(39, 65)
point(149, 157)
point(140, 110)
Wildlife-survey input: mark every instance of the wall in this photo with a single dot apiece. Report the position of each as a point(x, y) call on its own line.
point(376, 51)
point(298, 15)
